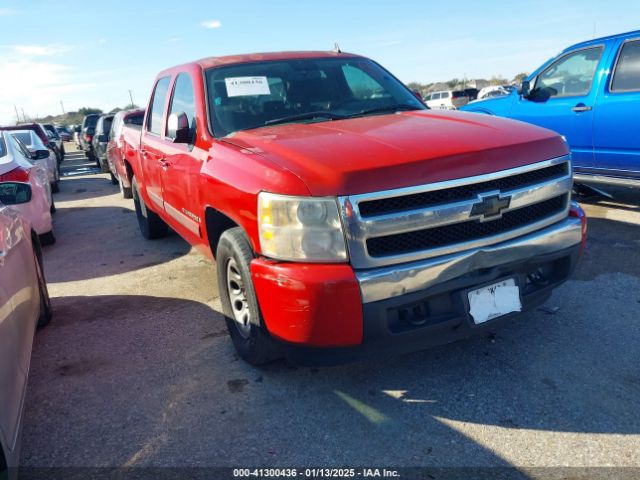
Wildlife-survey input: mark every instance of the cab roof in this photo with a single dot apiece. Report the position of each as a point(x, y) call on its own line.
point(595, 41)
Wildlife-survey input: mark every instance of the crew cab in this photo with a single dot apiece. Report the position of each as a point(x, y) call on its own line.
point(590, 94)
point(346, 218)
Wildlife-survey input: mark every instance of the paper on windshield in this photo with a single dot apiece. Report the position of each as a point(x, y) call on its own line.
point(244, 86)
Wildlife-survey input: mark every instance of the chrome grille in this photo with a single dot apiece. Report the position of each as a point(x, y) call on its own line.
point(397, 226)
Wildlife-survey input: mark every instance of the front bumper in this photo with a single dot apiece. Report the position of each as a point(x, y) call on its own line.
point(329, 313)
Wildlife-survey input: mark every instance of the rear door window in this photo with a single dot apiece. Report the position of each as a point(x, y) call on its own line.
point(154, 121)
point(626, 77)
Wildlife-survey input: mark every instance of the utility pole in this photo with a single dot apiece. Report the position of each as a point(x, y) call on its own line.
point(17, 116)
point(62, 106)
point(131, 98)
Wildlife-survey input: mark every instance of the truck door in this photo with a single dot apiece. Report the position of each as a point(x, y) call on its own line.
point(617, 115)
point(151, 144)
point(183, 163)
point(562, 99)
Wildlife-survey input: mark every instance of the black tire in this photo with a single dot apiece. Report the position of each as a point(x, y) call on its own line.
point(114, 180)
point(251, 339)
point(151, 225)
point(47, 238)
point(52, 209)
point(62, 152)
point(55, 188)
point(127, 192)
point(46, 311)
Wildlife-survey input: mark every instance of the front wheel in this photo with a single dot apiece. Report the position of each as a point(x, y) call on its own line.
point(150, 223)
point(239, 302)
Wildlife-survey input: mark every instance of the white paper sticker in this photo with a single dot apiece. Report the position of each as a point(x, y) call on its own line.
point(243, 86)
point(494, 301)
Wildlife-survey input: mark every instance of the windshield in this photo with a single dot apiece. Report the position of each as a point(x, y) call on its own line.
point(91, 120)
point(258, 94)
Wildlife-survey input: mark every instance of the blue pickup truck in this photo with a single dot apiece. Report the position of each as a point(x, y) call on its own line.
point(590, 93)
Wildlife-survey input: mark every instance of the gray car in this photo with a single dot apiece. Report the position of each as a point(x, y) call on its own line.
point(24, 303)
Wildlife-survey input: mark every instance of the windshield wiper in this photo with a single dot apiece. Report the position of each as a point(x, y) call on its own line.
point(305, 116)
point(401, 107)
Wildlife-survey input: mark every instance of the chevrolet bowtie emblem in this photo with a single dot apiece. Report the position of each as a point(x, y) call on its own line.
point(490, 208)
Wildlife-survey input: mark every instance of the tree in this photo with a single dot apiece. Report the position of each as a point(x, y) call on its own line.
point(519, 78)
point(89, 111)
point(498, 80)
point(453, 82)
point(415, 86)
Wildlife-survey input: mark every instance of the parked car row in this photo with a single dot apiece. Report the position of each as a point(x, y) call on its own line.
point(25, 223)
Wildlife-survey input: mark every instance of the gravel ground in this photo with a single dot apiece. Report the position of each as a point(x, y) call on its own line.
point(136, 368)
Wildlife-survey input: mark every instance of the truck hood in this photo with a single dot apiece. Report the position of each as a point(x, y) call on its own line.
point(373, 153)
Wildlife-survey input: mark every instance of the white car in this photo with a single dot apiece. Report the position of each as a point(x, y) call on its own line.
point(446, 99)
point(494, 91)
point(15, 166)
point(40, 154)
point(24, 302)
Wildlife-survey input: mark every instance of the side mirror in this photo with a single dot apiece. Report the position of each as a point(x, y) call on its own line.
point(418, 95)
point(178, 128)
point(14, 193)
point(39, 154)
point(525, 88)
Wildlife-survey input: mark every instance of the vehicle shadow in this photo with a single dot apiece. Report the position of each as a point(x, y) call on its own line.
point(72, 189)
point(149, 381)
point(623, 198)
point(94, 242)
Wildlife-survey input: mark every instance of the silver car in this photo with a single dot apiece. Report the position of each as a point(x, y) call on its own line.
point(40, 154)
point(24, 303)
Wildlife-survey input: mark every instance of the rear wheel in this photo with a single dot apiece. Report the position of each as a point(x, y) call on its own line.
point(151, 225)
point(46, 312)
point(239, 302)
point(125, 191)
point(55, 188)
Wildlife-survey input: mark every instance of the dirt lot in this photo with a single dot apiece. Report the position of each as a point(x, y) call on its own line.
point(136, 368)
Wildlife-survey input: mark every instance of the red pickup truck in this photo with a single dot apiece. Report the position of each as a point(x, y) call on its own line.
point(121, 151)
point(344, 216)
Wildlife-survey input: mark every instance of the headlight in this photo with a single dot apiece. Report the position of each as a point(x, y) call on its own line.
point(300, 228)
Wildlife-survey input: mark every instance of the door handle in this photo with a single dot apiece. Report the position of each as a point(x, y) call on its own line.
point(581, 107)
point(164, 163)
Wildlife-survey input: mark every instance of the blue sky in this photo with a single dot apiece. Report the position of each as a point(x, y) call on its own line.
point(92, 53)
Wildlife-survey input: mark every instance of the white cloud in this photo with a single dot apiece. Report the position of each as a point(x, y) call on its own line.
point(211, 24)
point(41, 50)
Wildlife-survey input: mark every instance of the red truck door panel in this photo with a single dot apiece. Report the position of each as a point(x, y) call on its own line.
point(151, 145)
point(182, 164)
